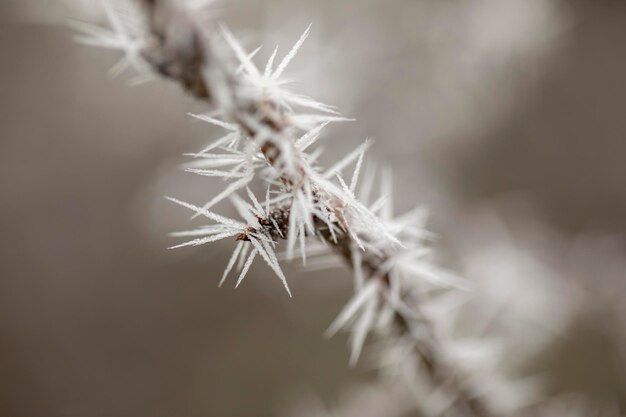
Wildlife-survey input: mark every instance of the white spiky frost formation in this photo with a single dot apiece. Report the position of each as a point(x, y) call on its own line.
point(236, 157)
point(269, 138)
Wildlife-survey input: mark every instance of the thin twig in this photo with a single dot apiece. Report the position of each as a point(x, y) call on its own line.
point(180, 51)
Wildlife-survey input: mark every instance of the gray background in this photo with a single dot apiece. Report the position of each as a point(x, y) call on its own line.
point(507, 113)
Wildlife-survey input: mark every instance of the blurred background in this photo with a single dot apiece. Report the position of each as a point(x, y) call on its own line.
point(505, 118)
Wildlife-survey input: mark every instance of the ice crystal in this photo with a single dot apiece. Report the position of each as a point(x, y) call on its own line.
point(270, 141)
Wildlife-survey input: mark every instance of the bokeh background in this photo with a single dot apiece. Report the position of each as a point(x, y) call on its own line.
point(505, 118)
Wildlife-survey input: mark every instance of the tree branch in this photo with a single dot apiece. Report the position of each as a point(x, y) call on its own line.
point(180, 51)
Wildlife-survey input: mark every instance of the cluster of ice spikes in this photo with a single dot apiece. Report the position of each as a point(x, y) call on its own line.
point(269, 141)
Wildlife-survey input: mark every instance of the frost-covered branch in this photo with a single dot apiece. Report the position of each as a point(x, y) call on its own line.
point(269, 131)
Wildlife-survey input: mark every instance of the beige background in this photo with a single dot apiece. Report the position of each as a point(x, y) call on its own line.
point(506, 111)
